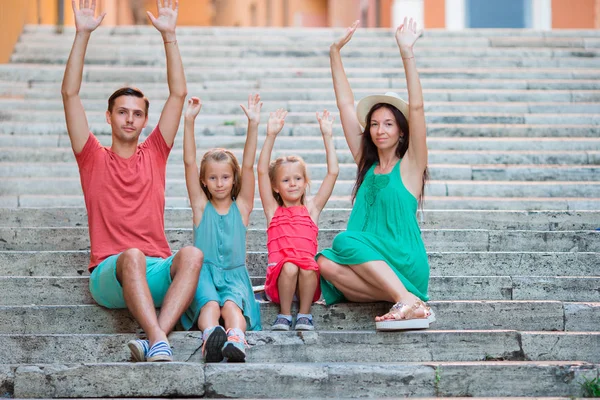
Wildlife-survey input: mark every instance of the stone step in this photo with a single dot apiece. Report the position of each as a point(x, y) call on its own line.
point(451, 315)
point(298, 89)
point(320, 58)
point(62, 157)
point(467, 132)
point(324, 380)
point(94, 92)
point(383, 49)
point(40, 238)
point(300, 32)
point(488, 188)
point(436, 145)
point(320, 347)
point(99, 118)
point(34, 73)
point(231, 107)
point(20, 291)
point(74, 263)
point(336, 218)
point(430, 203)
point(359, 40)
point(495, 172)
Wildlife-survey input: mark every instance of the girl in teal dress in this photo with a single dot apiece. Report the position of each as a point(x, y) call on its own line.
point(381, 256)
point(222, 198)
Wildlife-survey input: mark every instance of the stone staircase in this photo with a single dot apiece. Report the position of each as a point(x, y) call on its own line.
point(511, 220)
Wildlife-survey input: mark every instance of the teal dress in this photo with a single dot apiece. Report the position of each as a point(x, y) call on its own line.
point(222, 239)
point(382, 226)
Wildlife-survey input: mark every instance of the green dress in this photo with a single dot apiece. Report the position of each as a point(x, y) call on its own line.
point(382, 226)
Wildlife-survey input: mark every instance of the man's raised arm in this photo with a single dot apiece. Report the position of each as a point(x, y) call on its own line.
point(166, 23)
point(85, 23)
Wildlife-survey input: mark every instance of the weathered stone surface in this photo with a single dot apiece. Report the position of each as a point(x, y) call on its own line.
point(110, 380)
point(461, 315)
point(546, 346)
point(318, 380)
point(503, 378)
point(582, 316)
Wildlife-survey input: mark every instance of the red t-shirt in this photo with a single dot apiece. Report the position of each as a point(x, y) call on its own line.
point(125, 198)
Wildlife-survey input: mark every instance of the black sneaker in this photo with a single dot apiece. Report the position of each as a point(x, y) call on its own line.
point(211, 349)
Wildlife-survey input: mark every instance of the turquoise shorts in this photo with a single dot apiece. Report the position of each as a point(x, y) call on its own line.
point(108, 292)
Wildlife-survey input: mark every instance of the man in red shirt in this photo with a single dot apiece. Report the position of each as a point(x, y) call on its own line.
point(124, 189)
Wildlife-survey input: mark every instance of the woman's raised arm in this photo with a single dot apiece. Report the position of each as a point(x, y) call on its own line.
point(344, 96)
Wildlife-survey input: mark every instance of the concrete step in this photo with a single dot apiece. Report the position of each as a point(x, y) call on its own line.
point(74, 263)
point(495, 172)
point(326, 380)
point(467, 188)
point(336, 218)
point(451, 315)
point(430, 203)
point(20, 291)
point(34, 73)
point(39, 238)
point(321, 346)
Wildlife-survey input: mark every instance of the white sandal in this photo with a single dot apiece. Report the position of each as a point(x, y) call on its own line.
point(404, 318)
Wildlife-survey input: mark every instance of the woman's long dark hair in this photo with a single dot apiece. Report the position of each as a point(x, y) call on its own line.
point(369, 154)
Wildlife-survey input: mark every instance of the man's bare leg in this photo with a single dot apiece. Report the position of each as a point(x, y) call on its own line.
point(131, 273)
point(185, 271)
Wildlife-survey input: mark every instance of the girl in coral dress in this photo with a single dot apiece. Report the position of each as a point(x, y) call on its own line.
point(292, 224)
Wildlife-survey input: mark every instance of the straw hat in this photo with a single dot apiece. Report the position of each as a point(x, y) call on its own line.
point(364, 105)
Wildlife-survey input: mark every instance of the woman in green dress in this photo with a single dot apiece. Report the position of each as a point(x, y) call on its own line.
point(381, 256)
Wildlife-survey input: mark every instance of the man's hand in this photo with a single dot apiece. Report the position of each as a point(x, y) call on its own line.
point(166, 22)
point(85, 20)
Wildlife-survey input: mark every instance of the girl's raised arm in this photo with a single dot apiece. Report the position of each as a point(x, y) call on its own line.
point(333, 170)
point(197, 197)
point(344, 96)
point(406, 36)
point(274, 126)
point(245, 198)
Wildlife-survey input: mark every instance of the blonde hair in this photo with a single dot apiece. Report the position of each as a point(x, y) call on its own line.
point(274, 168)
point(222, 155)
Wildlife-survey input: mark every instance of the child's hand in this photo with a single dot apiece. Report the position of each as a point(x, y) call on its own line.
point(276, 122)
point(193, 108)
point(254, 107)
point(326, 123)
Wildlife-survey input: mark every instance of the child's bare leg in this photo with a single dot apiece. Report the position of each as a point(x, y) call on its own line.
point(233, 316)
point(235, 347)
point(209, 315)
point(307, 285)
point(286, 284)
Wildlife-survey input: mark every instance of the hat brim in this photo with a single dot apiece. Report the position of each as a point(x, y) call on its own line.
point(364, 106)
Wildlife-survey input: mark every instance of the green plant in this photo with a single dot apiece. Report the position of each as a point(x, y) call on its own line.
point(591, 387)
point(437, 380)
point(229, 123)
